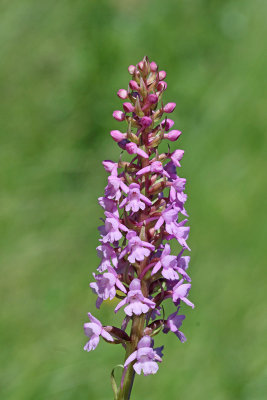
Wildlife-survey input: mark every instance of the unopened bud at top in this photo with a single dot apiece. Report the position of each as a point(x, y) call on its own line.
point(122, 94)
point(119, 115)
point(128, 107)
point(162, 75)
point(134, 85)
point(131, 69)
point(146, 121)
point(153, 66)
point(162, 86)
point(152, 98)
point(141, 65)
point(169, 107)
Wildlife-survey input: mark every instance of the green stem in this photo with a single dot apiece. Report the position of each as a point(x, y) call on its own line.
point(136, 334)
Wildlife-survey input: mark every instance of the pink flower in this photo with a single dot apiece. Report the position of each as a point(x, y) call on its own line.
point(137, 248)
point(93, 330)
point(177, 230)
point(133, 200)
point(132, 148)
point(182, 265)
point(114, 187)
point(137, 303)
point(168, 264)
point(111, 167)
point(155, 167)
point(107, 254)
point(176, 156)
point(169, 216)
point(105, 284)
point(180, 292)
point(146, 358)
point(111, 230)
point(179, 184)
point(173, 323)
point(109, 205)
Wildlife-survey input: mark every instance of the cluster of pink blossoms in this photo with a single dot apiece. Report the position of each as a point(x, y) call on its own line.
point(144, 206)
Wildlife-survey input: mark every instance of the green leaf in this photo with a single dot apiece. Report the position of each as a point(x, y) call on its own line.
point(113, 381)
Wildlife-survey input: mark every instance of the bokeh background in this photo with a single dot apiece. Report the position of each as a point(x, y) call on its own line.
point(61, 64)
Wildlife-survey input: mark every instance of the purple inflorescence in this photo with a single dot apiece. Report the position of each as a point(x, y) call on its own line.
point(144, 207)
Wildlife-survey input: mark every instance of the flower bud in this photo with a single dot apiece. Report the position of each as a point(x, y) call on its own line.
point(162, 75)
point(152, 98)
point(118, 115)
point(169, 108)
point(141, 65)
point(122, 94)
point(153, 66)
point(146, 121)
point(167, 124)
point(162, 86)
point(134, 85)
point(109, 165)
point(131, 69)
point(128, 107)
point(156, 167)
point(176, 156)
point(172, 135)
point(117, 135)
point(132, 148)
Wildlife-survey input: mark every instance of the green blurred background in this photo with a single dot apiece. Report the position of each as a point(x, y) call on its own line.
point(61, 63)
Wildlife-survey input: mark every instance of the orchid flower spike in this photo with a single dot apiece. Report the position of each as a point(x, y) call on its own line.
point(144, 209)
